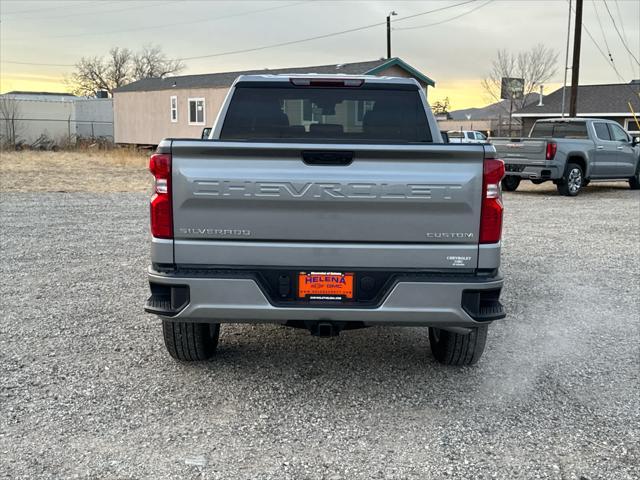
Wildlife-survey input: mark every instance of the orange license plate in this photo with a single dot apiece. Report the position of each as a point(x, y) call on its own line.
point(325, 285)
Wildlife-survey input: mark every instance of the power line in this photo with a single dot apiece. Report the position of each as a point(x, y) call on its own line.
point(624, 34)
point(37, 64)
point(620, 18)
point(595, 43)
point(101, 12)
point(604, 55)
point(318, 37)
point(153, 27)
point(619, 34)
point(281, 44)
point(448, 19)
point(38, 10)
point(602, 29)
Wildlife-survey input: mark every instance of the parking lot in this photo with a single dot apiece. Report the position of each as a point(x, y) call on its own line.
point(88, 391)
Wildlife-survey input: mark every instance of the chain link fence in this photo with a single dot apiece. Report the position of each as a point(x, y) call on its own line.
point(51, 133)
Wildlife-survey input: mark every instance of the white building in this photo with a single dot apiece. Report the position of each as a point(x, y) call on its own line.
point(60, 117)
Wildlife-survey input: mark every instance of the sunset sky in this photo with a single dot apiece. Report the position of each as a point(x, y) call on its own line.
point(41, 40)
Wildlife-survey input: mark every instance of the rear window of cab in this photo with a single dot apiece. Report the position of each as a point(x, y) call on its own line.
point(329, 114)
point(576, 130)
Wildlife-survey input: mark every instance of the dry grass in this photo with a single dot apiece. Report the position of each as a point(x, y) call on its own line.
point(118, 170)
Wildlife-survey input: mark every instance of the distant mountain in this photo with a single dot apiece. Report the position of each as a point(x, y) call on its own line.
point(490, 111)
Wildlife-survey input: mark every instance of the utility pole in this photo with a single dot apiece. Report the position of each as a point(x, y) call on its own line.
point(566, 58)
point(389, 32)
point(510, 112)
point(575, 68)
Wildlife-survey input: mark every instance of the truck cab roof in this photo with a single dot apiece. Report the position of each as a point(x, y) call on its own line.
point(287, 77)
point(573, 119)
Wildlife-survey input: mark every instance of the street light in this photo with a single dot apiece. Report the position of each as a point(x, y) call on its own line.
point(391, 13)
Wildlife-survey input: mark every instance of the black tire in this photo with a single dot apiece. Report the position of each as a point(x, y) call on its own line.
point(191, 342)
point(572, 182)
point(510, 183)
point(634, 182)
point(457, 349)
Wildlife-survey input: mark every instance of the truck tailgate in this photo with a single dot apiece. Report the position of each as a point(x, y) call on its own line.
point(287, 203)
point(527, 150)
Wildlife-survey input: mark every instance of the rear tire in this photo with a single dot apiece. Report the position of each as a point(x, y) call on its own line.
point(458, 349)
point(510, 183)
point(191, 342)
point(634, 182)
point(572, 183)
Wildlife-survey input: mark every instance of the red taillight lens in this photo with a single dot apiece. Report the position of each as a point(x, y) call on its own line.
point(491, 214)
point(552, 147)
point(161, 216)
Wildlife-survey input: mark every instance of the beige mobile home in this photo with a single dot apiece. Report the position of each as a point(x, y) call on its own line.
point(149, 110)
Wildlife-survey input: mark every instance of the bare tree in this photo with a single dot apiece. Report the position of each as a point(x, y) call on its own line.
point(151, 62)
point(10, 116)
point(99, 73)
point(535, 67)
point(120, 67)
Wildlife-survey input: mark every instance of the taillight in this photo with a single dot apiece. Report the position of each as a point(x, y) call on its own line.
point(552, 147)
point(161, 217)
point(491, 213)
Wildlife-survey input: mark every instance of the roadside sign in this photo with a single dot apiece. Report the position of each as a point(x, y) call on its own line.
point(511, 88)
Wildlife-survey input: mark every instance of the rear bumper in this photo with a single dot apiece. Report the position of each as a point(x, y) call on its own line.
point(446, 302)
point(533, 172)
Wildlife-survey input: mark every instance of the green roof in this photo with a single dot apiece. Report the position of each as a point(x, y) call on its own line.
point(395, 61)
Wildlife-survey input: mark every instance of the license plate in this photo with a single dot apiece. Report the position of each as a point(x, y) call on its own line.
point(325, 285)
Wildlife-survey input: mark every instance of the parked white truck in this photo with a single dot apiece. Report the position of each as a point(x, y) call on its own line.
point(466, 136)
point(327, 203)
point(570, 152)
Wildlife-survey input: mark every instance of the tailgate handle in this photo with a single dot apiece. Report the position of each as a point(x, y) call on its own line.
point(324, 157)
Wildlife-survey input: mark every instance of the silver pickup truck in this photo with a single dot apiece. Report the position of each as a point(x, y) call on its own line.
point(326, 203)
point(570, 152)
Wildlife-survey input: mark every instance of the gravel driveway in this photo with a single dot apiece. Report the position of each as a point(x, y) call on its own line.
point(88, 391)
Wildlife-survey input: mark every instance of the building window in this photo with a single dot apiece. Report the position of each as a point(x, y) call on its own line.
point(174, 109)
point(196, 111)
point(630, 125)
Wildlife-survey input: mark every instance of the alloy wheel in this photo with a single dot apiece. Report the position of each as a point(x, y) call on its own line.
point(575, 180)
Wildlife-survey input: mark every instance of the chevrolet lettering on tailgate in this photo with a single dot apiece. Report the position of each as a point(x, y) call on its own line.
point(313, 190)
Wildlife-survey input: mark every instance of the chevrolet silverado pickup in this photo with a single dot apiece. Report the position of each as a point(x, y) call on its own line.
point(570, 152)
point(326, 203)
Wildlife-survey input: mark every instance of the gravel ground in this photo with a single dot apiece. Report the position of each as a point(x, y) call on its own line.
point(88, 391)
